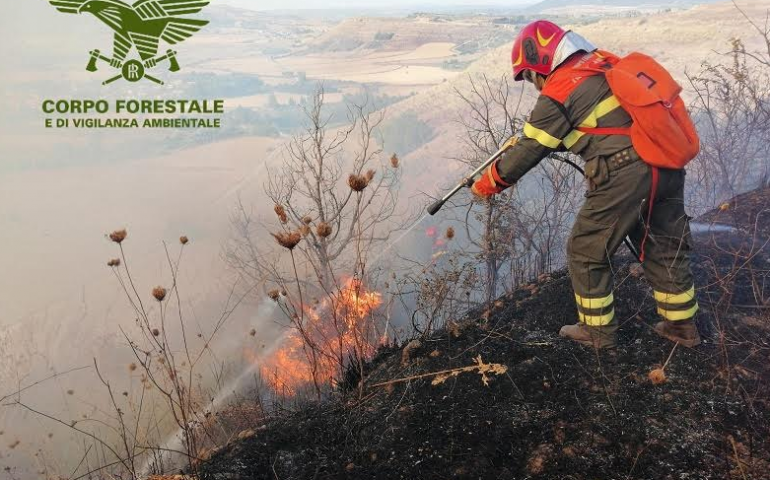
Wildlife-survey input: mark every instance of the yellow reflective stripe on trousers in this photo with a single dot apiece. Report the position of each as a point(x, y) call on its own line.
point(674, 315)
point(675, 298)
point(597, 320)
point(541, 136)
point(605, 106)
point(592, 303)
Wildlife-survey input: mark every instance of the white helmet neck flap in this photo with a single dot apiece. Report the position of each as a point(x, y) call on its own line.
point(571, 43)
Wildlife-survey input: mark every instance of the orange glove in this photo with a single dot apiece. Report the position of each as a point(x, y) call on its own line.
point(489, 183)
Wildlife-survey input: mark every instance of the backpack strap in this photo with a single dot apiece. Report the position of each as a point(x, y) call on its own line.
point(570, 74)
point(605, 130)
point(599, 61)
point(653, 193)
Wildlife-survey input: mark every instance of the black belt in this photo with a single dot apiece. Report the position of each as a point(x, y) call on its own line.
point(622, 158)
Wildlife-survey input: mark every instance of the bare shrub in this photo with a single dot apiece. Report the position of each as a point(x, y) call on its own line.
point(337, 189)
point(733, 117)
point(134, 435)
point(502, 242)
point(732, 110)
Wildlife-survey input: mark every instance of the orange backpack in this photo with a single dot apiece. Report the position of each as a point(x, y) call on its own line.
point(662, 133)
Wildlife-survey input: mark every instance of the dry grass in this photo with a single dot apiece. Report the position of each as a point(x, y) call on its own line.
point(485, 370)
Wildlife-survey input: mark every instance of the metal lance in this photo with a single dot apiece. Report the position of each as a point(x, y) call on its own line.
point(468, 181)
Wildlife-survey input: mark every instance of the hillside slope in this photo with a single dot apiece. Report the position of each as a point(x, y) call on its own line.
point(387, 34)
point(564, 6)
point(560, 410)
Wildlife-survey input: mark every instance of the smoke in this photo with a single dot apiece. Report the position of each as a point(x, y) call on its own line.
point(265, 313)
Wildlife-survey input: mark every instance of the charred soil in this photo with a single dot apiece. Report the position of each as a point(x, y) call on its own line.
point(560, 411)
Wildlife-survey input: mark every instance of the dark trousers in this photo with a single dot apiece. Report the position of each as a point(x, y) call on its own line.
point(615, 207)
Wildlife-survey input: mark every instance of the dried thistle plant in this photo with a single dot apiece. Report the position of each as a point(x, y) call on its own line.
point(657, 376)
point(370, 175)
point(281, 212)
point(155, 332)
point(450, 233)
point(118, 236)
point(307, 219)
point(483, 369)
point(274, 295)
point(358, 182)
point(323, 229)
point(115, 262)
point(288, 240)
point(183, 240)
point(394, 161)
point(159, 293)
point(305, 230)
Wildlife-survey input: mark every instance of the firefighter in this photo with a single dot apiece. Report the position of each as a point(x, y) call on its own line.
point(621, 187)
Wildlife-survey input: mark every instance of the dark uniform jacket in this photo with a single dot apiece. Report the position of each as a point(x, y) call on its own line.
point(569, 99)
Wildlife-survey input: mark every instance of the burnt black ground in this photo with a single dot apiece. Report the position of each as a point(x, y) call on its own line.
point(562, 411)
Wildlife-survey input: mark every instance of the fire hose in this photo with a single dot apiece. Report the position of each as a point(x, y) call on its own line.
point(467, 182)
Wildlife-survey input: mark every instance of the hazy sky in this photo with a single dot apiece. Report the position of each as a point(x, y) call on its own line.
point(364, 4)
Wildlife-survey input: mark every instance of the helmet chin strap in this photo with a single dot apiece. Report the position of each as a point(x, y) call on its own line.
point(537, 80)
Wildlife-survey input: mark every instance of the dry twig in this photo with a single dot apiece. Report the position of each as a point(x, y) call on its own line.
point(483, 369)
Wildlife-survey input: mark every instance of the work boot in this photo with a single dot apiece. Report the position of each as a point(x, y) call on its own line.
point(683, 332)
point(597, 337)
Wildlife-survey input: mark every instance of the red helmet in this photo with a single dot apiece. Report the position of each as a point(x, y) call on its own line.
point(534, 48)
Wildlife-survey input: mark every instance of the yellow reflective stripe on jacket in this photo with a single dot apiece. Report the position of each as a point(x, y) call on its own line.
point(605, 106)
point(572, 138)
point(675, 298)
point(541, 136)
point(593, 303)
point(597, 320)
point(674, 315)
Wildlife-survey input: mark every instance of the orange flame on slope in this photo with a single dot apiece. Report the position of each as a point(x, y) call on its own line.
point(337, 326)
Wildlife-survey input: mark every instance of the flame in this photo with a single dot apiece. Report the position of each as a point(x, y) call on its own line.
point(353, 298)
point(288, 367)
point(338, 326)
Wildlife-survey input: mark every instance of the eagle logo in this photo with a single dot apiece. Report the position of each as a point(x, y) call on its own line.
point(142, 26)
